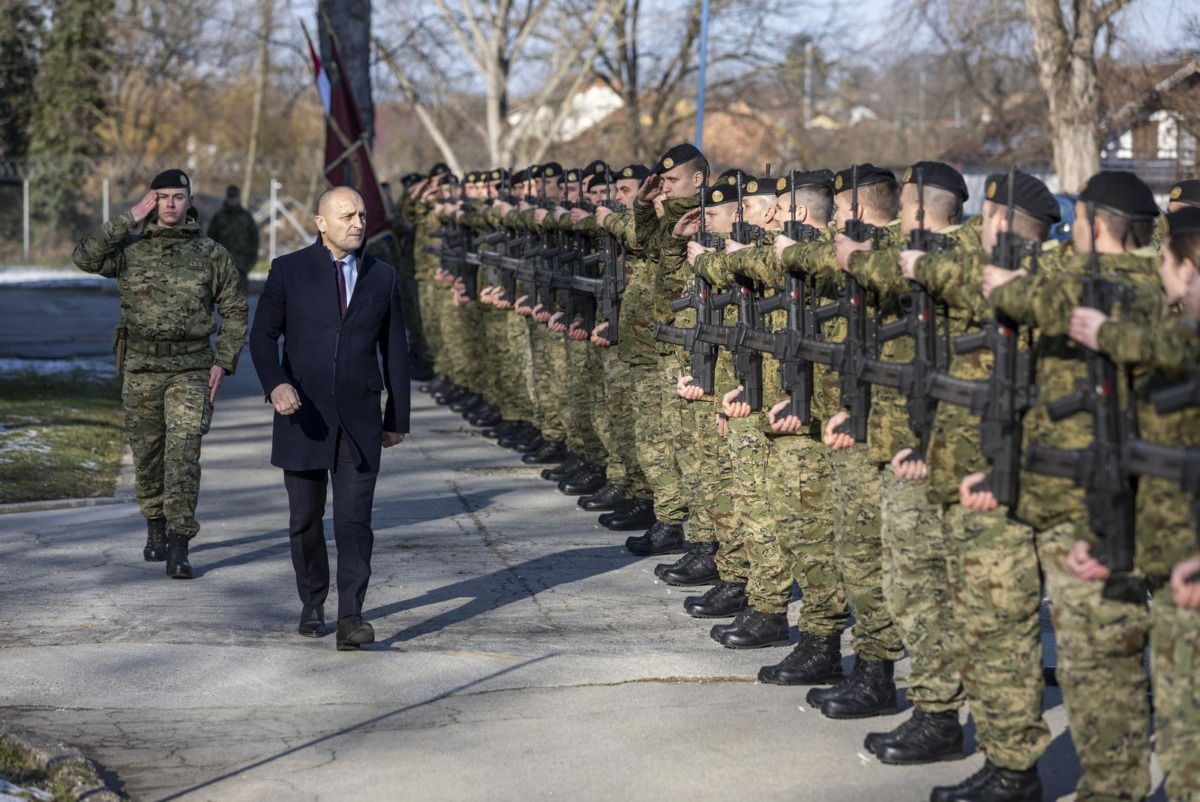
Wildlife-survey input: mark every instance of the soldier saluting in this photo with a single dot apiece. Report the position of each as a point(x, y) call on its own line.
point(169, 279)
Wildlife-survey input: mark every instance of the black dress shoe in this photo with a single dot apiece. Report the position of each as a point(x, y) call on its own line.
point(552, 452)
point(869, 691)
point(467, 402)
point(722, 600)
point(660, 538)
point(631, 516)
point(178, 566)
point(608, 497)
point(924, 738)
point(816, 660)
point(353, 632)
point(586, 481)
point(758, 630)
point(993, 784)
point(569, 467)
point(156, 540)
point(312, 621)
point(697, 567)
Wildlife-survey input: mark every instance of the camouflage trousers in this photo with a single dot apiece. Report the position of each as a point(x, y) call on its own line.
point(549, 367)
point(705, 473)
point(615, 419)
point(997, 588)
point(582, 374)
point(1175, 673)
point(855, 505)
point(801, 546)
point(1101, 670)
point(916, 586)
point(751, 519)
point(429, 300)
point(492, 352)
point(163, 419)
point(515, 403)
point(658, 419)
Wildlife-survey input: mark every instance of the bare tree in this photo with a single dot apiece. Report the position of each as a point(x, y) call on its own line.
point(263, 66)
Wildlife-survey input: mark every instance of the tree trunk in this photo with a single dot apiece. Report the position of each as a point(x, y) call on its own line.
point(349, 21)
point(260, 86)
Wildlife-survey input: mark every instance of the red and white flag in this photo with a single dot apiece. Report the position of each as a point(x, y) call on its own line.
point(347, 155)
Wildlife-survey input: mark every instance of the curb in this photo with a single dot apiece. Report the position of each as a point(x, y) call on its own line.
point(65, 763)
point(122, 494)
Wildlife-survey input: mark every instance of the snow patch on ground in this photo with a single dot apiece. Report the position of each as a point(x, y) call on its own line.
point(23, 441)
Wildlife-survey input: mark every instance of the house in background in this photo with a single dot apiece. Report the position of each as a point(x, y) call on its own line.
point(1153, 133)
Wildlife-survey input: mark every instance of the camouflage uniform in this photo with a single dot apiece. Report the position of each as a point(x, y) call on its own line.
point(234, 228)
point(1100, 642)
point(404, 231)
point(168, 280)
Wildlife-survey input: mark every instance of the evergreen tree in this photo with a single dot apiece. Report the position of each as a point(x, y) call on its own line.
point(19, 24)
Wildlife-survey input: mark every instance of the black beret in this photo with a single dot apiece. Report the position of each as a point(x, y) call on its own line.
point(759, 186)
point(598, 167)
point(441, 168)
point(232, 190)
point(170, 179)
point(680, 154)
point(937, 174)
point(471, 177)
point(550, 170)
point(497, 174)
point(810, 178)
point(521, 176)
point(1121, 193)
point(721, 193)
point(731, 177)
point(572, 176)
point(1184, 221)
point(636, 171)
point(1029, 195)
point(597, 180)
point(865, 174)
point(1187, 192)
point(408, 179)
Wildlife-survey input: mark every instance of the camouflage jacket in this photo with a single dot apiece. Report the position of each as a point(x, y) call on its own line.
point(169, 280)
point(635, 330)
point(1044, 301)
point(234, 228)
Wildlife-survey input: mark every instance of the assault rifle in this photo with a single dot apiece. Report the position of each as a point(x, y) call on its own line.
point(1001, 400)
point(702, 355)
point(1097, 467)
point(919, 321)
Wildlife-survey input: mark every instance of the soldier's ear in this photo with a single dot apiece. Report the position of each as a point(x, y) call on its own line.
point(801, 213)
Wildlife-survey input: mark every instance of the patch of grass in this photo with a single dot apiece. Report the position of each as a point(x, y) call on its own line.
point(19, 771)
point(61, 436)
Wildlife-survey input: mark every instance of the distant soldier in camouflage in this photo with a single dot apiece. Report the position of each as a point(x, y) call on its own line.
point(169, 277)
point(234, 228)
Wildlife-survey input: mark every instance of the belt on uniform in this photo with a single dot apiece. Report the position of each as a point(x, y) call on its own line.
point(167, 347)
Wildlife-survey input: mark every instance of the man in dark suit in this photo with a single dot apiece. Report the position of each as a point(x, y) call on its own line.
point(338, 310)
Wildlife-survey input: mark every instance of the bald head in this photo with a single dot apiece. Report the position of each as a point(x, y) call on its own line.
point(341, 218)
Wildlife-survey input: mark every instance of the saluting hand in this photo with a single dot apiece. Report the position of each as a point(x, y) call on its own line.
point(146, 205)
point(650, 189)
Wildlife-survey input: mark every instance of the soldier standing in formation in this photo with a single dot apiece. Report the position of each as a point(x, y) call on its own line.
point(170, 279)
point(234, 228)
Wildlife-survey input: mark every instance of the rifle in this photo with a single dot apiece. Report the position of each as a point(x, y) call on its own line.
point(919, 321)
point(607, 288)
point(1097, 468)
point(747, 361)
point(702, 355)
point(1001, 400)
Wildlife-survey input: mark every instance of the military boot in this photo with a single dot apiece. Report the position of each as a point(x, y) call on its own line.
point(502, 428)
point(868, 691)
point(468, 402)
point(551, 452)
point(718, 631)
point(993, 784)
point(634, 514)
point(178, 566)
point(488, 415)
point(608, 497)
point(439, 383)
point(697, 567)
point(721, 601)
point(817, 659)
point(572, 465)
point(524, 439)
point(924, 738)
point(451, 394)
point(660, 538)
point(586, 481)
point(156, 540)
point(758, 630)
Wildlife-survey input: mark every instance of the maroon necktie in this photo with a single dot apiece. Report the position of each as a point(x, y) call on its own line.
point(341, 279)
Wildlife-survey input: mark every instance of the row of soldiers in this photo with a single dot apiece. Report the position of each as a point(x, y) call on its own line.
point(924, 422)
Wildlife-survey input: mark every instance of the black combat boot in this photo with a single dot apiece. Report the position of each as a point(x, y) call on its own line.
point(586, 481)
point(868, 691)
point(608, 497)
point(816, 660)
point(156, 540)
point(552, 452)
point(720, 601)
point(438, 385)
point(635, 514)
point(924, 738)
point(993, 784)
point(520, 438)
point(572, 465)
point(468, 402)
point(451, 394)
point(697, 567)
point(660, 538)
point(758, 630)
point(502, 428)
point(488, 415)
point(178, 566)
